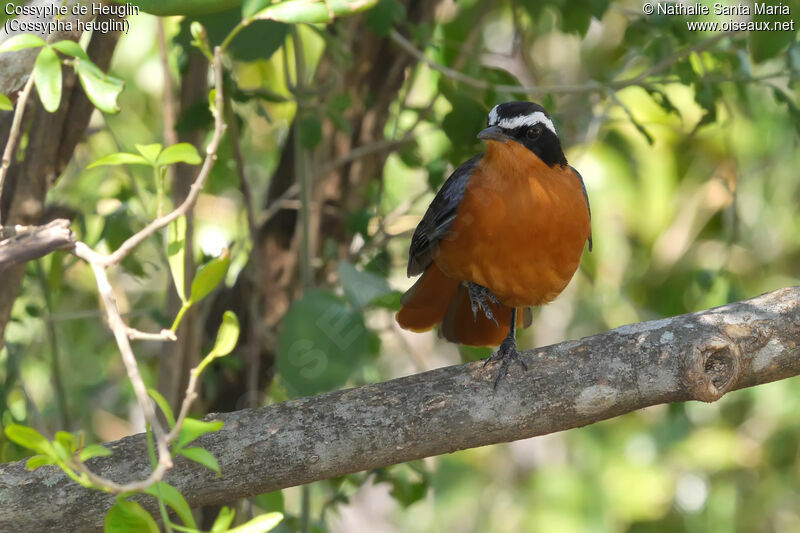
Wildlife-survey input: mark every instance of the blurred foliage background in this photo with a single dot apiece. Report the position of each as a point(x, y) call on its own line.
point(687, 141)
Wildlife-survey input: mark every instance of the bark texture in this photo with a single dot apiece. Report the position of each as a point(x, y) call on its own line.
point(32, 242)
point(698, 356)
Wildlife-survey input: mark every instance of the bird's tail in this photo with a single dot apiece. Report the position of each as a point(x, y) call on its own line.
point(436, 299)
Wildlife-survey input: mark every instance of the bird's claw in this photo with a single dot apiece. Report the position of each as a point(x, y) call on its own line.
point(479, 297)
point(506, 353)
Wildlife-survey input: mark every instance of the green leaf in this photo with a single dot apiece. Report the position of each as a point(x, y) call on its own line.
point(209, 276)
point(384, 15)
point(70, 48)
point(258, 40)
point(150, 152)
point(227, 335)
point(47, 75)
point(179, 153)
point(38, 461)
point(101, 88)
point(360, 287)
point(202, 456)
point(310, 130)
point(119, 158)
point(260, 524)
point(224, 519)
point(163, 404)
point(29, 438)
point(175, 500)
point(5, 103)
point(67, 440)
point(193, 428)
point(93, 450)
point(128, 517)
point(176, 254)
point(310, 12)
point(20, 41)
point(322, 343)
point(250, 7)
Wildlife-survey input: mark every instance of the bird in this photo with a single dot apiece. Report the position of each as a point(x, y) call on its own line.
point(505, 233)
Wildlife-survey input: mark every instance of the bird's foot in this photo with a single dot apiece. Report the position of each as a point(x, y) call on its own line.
point(505, 354)
point(479, 297)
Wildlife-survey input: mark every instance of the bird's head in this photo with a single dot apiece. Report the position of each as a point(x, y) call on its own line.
point(528, 124)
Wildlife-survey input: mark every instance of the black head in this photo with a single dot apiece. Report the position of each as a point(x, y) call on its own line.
point(528, 124)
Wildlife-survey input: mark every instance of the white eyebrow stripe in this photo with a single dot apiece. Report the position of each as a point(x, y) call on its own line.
point(493, 115)
point(526, 120)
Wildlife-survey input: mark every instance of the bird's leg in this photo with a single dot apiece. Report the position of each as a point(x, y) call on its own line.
point(479, 297)
point(507, 351)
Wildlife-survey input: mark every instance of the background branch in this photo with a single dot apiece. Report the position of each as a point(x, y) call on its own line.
point(697, 356)
point(25, 243)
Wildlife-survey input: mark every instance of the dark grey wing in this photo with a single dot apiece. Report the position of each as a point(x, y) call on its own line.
point(583, 186)
point(438, 218)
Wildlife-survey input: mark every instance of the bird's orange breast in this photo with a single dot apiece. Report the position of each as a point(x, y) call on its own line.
point(520, 228)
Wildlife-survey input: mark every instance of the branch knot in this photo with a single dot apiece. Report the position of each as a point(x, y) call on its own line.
point(712, 368)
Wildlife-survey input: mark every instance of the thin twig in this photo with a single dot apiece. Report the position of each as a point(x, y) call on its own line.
point(123, 333)
point(13, 135)
point(194, 191)
point(163, 335)
point(589, 86)
point(120, 331)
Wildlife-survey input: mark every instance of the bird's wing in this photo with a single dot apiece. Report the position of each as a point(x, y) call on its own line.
point(583, 186)
point(438, 218)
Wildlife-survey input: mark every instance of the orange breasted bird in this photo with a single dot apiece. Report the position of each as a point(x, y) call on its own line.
point(505, 232)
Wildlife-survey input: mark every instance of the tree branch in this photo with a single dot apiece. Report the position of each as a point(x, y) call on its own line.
point(698, 356)
point(25, 243)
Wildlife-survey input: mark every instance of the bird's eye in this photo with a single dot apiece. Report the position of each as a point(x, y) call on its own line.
point(533, 132)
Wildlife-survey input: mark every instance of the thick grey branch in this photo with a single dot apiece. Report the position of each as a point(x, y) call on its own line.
point(699, 356)
point(25, 243)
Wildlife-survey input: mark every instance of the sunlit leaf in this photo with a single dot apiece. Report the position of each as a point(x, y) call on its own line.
point(29, 438)
point(149, 151)
point(93, 450)
point(260, 524)
point(119, 158)
point(67, 440)
point(209, 276)
point(128, 517)
point(102, 89)
point(309, 11)
point(38, 461)
point(250, 7)
point(179, 153)
point(70, 48)
point(224, 519)
point(175, 500)
point(227, 335)
point(193, 428)
point(5, 103)
point(202, 456)
point(176, 254)
point(20, 41)
point(47, 76)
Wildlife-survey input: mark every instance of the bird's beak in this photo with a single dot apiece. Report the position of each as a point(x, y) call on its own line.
point(493, 133)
